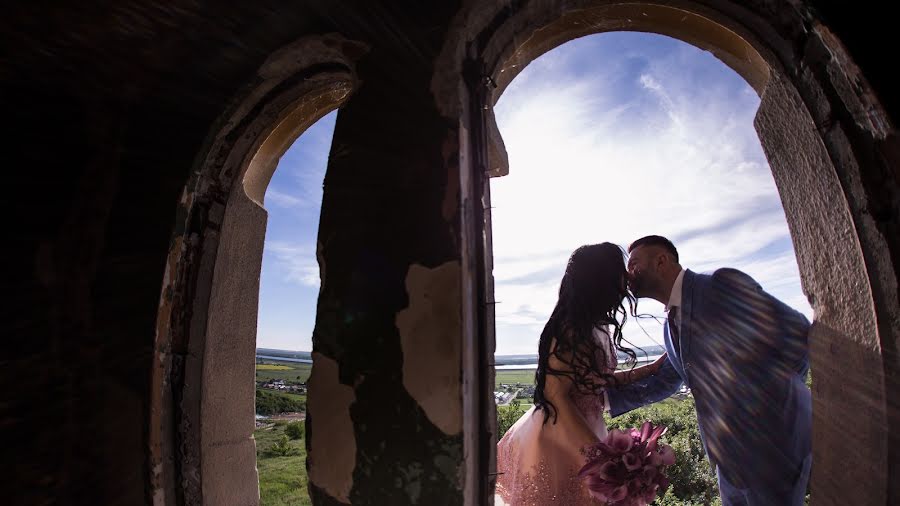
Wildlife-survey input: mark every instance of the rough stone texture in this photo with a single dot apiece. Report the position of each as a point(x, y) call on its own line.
point(127, 119)
point(228, 378)
point(844, 335)
point(225, 474)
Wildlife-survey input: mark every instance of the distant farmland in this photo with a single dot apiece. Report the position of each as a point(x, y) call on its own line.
point(298, 372)
point(513, 376)
point(295, 372)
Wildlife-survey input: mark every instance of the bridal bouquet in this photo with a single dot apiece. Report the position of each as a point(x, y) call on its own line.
point(627, 468)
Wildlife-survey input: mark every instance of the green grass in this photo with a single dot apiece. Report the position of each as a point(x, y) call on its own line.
point(295, 372)
point(282, 480)
point(513, 376)
point(523, 376)
point(296, 397)
point(272, 367)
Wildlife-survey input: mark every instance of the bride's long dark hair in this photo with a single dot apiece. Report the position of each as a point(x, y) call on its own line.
point(592, 293)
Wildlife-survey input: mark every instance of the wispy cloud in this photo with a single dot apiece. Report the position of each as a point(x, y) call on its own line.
point(650, 83)
point(297, 263)
point(289, 282)
point(281, 199)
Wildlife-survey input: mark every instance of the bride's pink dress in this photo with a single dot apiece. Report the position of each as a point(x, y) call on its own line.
point(537, 463)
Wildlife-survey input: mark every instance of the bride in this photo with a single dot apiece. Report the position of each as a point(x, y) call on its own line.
point(539, 456)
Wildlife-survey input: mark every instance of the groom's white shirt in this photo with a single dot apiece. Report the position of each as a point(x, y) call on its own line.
point(675, 298)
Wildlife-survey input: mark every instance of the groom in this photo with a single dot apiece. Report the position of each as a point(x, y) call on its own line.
point(744, 355)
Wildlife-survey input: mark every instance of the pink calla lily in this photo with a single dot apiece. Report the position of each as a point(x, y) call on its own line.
point(619, 493)
point(591, 467)
point(654, 436)
point(631, 461)
point(646, 429)
point(619, 441)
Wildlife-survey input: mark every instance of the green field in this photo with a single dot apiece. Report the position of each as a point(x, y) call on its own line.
point(282, 480)
point(272, 367)
point(296, 397)
point(288, 371)
point(513, 376)
point(523, 376)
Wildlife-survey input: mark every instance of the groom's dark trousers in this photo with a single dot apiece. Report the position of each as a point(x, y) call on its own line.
point(744, 355)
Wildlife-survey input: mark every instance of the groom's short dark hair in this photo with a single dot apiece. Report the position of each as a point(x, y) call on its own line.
point(655, 240)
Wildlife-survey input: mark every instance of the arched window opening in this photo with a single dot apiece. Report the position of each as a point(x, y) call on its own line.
point(289, 287)
point(612, 137)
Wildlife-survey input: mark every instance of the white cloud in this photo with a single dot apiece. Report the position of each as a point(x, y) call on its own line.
point(281, 199)
point(298, 263)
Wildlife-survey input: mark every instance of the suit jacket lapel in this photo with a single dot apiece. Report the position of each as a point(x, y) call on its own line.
point(674, 357)
point(687, 307)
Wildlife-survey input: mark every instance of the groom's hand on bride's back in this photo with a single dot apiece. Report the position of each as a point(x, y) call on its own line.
point(657, 364)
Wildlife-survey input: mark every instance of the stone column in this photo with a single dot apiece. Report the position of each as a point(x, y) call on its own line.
point(849, 419)
point(385, 397)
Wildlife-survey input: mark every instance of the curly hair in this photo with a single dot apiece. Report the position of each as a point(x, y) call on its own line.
point(591, 294)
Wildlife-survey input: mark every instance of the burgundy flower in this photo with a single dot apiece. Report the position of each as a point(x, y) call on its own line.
point(649, 434)
point(619, 441)
point(649, 494)
point(626, 469)
point(600, 490)
point(619, 493)
point(631, 461)
point(662, 482)
point(593, 465)
point(648, 474)
point(646, 429)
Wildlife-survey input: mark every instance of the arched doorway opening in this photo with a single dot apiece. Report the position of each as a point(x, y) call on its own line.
point(206, 362)
point(612, 137)
point(840, 249)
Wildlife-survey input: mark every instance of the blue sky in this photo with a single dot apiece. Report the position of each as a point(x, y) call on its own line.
point(610, 137)
point(289, 283)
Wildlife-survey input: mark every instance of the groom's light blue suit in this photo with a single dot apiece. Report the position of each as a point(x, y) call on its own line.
point(744, 355)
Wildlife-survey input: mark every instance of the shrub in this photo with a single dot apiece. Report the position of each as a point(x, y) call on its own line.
point(270, 403)
point(294, 430)
point(282, 448)
point(507, 416)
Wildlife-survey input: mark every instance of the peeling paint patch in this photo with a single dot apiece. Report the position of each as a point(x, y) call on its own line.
point(430, 330)
point(159, 495)
point(329, 409)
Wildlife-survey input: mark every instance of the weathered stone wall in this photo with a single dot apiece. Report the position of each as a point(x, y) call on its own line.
point(389, 319)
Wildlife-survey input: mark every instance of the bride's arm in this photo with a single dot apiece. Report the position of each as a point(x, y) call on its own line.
point(627, 377)
point(569, 417)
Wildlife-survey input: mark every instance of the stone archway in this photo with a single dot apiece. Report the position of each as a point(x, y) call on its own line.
point(206, 335)
point(819, 125)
